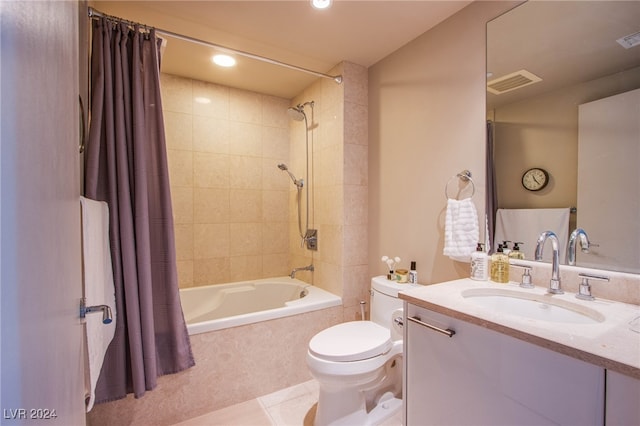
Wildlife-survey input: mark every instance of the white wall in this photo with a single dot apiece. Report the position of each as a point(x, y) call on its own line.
point(427, 123)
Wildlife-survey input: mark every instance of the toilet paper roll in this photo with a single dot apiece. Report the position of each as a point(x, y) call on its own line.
point(396, 326)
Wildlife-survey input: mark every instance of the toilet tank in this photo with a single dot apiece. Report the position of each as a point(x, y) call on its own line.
point(384, 299)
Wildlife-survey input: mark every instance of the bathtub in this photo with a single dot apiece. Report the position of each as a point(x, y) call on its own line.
point(219, 306)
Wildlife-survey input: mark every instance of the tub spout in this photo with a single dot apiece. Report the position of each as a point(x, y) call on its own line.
point(304, 268)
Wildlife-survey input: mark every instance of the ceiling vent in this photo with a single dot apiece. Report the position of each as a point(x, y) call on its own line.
point(630, 41)
point(511, 82)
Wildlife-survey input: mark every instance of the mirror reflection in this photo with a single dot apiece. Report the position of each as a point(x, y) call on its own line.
point(563, 96)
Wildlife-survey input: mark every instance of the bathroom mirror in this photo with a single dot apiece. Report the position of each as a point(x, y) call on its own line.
point(573, 48)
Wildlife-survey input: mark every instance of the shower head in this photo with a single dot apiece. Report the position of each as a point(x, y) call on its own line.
point(297, 112)
point(297, 182)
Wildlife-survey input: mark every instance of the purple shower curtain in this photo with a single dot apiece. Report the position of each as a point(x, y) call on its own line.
point(126, 166)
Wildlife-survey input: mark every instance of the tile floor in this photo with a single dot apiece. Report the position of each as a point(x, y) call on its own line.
point(294, 406)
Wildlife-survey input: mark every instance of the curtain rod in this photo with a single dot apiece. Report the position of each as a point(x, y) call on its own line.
point(337, 78)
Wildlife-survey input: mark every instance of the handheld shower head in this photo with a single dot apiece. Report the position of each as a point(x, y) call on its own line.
point(297, 182)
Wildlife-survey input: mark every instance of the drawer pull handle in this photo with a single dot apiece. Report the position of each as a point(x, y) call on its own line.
point(448, 331)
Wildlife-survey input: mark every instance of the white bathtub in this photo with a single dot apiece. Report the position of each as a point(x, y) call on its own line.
point(219, 306)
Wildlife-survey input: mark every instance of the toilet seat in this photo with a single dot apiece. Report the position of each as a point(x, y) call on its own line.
point(351, 341)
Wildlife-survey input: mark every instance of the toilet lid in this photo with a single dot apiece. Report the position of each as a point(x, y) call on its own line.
point(351, 341)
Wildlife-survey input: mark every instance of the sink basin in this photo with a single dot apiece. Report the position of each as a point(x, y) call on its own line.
point(532, 306)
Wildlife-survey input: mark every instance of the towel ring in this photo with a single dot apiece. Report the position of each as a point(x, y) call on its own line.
point(464, 176)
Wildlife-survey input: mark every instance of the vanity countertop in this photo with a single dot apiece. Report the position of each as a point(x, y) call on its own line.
point(612, 344)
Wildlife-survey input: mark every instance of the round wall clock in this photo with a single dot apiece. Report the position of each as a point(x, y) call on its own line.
point(535, 179)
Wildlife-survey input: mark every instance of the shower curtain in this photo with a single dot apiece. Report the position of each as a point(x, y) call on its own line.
point(126, 166)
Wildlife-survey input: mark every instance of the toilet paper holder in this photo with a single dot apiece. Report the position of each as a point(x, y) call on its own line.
point(107, 316)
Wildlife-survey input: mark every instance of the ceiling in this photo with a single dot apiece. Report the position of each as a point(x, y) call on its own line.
point(563, 42)
point(357, 31)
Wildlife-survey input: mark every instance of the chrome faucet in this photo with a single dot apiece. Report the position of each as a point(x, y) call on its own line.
point(577, 233)
point(554, 283)
point(304, 268)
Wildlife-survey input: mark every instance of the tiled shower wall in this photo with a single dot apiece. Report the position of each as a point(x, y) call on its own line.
point(230, 201)
point(339, 170)
point(235, 212)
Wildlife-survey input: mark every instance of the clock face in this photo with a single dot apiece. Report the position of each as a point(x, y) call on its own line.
point(535, 179)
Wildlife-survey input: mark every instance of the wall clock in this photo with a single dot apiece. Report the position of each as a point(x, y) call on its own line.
point(535, 179)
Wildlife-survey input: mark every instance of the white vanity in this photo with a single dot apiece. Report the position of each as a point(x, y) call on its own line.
point(486, 353)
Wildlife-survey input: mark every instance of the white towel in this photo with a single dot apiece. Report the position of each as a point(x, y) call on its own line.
point(526, 225)
point(98, 288)
point(461, 230)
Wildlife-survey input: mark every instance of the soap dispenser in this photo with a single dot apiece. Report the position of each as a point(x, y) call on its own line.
point(516, 253)
point(499, 266)
point(479, 264)
point(505, 247)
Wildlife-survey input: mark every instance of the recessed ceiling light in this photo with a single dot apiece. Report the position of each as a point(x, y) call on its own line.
point(202, 100)
point(321, 4)
point(223, 60)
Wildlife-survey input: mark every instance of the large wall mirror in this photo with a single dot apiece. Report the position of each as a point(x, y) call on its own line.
point(563, 95)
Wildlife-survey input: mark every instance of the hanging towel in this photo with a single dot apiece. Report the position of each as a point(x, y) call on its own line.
point(526, 225)
point(98, 288)
point(461, 230)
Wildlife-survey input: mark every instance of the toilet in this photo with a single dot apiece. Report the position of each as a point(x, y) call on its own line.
point(358, 364)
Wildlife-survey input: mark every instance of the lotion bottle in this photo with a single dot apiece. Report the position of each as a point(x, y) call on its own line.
point(479, 264)
point(413, 274)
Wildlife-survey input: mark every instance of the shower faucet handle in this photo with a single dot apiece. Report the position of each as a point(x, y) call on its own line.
point(311, 238)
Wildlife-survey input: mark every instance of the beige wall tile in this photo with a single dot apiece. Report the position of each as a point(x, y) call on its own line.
point(356, 200)
point(275, 238)
point(273, 177)
point(211, 271)
point(246, 239)
point(218, 95)
point(184, 241)
point(245, 267)
point(211, 240)
point(245, 172)
point(185, 273)
point(180, 167)
point(182, 204)
point(178, 130)
point(357, 132)
point(245, 205)
point(275, 143)
point(210, 170)
point(211, 205)
point(210, 135)
point(245, 139)
point(274, 112)
point(177, 93)
point(356, 164)
point(245, 106)
point(275, 265)
point(275, 206)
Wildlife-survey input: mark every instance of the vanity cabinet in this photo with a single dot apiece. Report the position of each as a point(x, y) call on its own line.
point(482, 377)
point(623, 400)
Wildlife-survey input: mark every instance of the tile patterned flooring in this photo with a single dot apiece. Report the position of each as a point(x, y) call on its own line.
point(294, 406)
